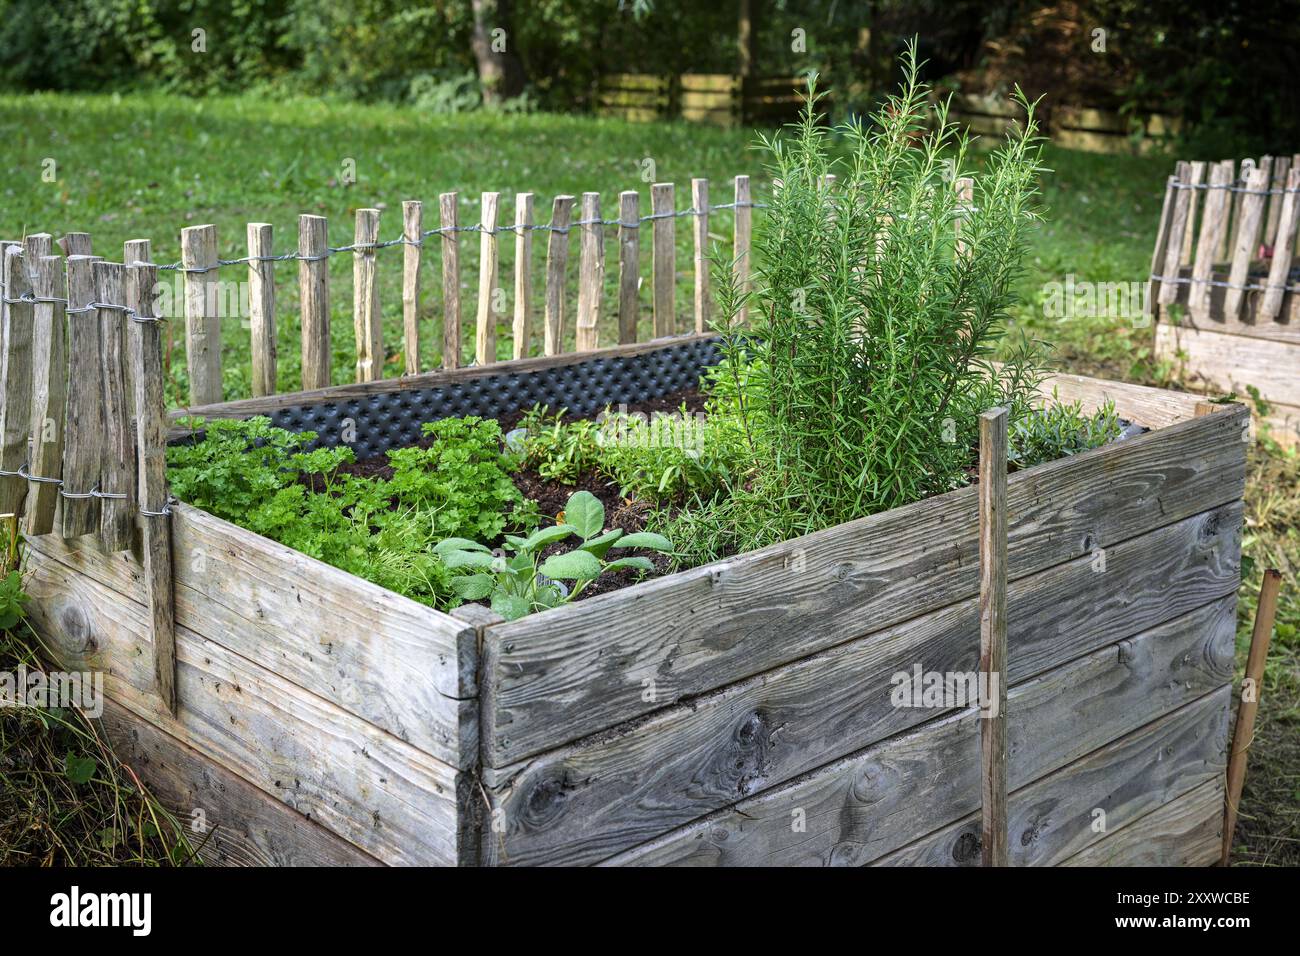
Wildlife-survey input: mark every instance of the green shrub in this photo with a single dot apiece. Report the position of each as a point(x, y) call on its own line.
point(1059, 430)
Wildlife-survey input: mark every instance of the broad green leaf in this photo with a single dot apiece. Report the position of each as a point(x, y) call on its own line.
point(457, 544)
point(468, 559)
point(638, 562)
point(575, 565)
point(510, 606)
point(585, 512)
point(544, 536)
point(472, 587)
point(515, 541)
point(78, 769)
point(548, 596)
point(646, 539)
point(598, 546)
point(521, 563)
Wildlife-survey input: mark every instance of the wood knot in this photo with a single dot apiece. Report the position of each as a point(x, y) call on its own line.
point(967, 847)
point(546, 800)
point(743, 763)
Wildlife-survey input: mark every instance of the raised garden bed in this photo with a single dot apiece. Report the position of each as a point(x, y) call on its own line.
point(734, 713)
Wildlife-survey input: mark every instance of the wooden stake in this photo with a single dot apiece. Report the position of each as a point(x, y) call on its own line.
point(485, 337)
point(1251, 688)
point(629, 264)
point(202, 313)
point(1177, 232)
point(557, 251)
point(1214, 224)
point(700, 203)
point(522, 330)
point(591, 274)
point(740, 248)
point(314, 301)
point(49, 395)
point(1158, 253)
point(1244, 247)
point(993, 632)
point(367, 325)
point(450, 280)
point(412, 232)
point(117, 471)
point(83, 431)
point(663, 264)
point(15, 383)
point(261, 307)
point(1283, 239)
point(151, 465)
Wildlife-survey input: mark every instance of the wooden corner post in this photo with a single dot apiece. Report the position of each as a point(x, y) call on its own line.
point(151, 461)
point(993, 634)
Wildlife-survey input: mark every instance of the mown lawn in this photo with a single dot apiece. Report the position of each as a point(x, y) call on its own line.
point(148, 165)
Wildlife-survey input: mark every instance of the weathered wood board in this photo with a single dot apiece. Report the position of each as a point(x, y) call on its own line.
point(402, 666)
point(1187, 831)
point(381, 794)
point(581, 668)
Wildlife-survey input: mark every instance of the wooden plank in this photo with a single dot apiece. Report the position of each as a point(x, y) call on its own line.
point(700, 203)
point(1214, 225)
point(15, 380)
point(993, 632)
point(663, 259)
point(1184, 832)
point(1225, 250)
point(708, 626)
point(412, 247)
point(261, 307)
point(448, 223)
point(75, 244)
point(1158, 252)
point(771, 728)
point(49, 395)
point(1230, 363)
point(1077, 806)
point(383, 795)
point(367, 323)
point(1281, 170)
point(117, 476)
point(1283, 239)
point(557, 252)
point(1251, 689)
point(878, 798)
point(629, 264)
point(202, 313)
point(404, 667)
point(83, 430)
point(1152, 407)
point(149, 404)
point(591, 274)
point(1244, 245)
point(522, 330)
point(485, 337)
point(744, 226)
point(1177, 229)
point(314, 301)
point(1197, 170)
point(237, 824)
point(440, 379)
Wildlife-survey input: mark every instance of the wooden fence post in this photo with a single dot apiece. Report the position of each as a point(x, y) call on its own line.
point(412, 248)
point(261, 307)
point(314, 300)
point(16, 384)
point(591, 274)
point(117, 470)
point(49, 395)
point(450, 280)
point(700, 202)
point(202, 313)
point(1244, 247)
point(1244, 732)
point(663, 264)
point(1169, 269)
point(1214, 225)
point(366, 323)
point(83, 430)
point(151, 467)
point(629, 264)
point(523, 323)
point(1158, 253)
point(993, 633)
point(744, 224)
point(557, 252)
point(1283, 239)
point(1197, 172)
point(485, 331)
point(75, 244)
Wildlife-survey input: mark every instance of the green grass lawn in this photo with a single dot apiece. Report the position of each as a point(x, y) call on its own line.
point(146, 166)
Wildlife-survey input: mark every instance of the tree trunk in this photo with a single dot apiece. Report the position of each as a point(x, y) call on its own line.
point(500, 72)
point(745, 37)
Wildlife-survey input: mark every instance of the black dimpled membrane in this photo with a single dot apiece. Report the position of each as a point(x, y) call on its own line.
point(386, 420)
